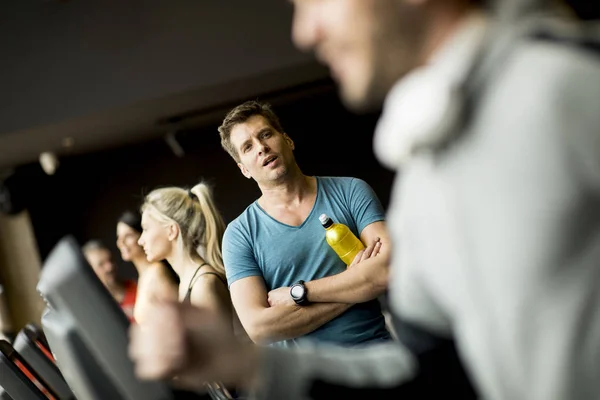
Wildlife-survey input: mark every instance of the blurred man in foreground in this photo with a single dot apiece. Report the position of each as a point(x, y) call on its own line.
point(494, 218)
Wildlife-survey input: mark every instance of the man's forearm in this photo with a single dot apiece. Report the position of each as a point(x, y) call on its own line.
point(287, 322)
point(363, 282)
point(292, 375)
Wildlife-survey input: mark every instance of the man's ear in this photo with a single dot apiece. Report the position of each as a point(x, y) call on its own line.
point(289, 140)
point(173, 232)
point(245, 172)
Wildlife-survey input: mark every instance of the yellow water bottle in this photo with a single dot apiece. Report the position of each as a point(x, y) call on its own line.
point(341, 239)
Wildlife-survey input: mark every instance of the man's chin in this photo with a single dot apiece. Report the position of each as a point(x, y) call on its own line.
point(363, 102)
point(278, 174)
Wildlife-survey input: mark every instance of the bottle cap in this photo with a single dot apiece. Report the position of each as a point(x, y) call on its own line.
point(323, 218)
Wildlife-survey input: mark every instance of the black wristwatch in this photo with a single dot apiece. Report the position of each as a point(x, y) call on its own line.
point(299, 293)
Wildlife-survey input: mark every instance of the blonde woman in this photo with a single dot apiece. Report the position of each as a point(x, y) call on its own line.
point(184, 227)
point(156, 280)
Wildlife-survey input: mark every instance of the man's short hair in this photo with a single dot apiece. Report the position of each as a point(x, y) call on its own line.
point(92, 245)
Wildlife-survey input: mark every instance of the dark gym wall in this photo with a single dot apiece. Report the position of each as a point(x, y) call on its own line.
point(88, 192)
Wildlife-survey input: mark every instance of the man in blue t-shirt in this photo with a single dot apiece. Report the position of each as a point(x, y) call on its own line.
point(287, 284)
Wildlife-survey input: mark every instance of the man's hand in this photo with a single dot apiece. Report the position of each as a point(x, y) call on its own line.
point(194, 345)
point(281, 297)
point(372, 250)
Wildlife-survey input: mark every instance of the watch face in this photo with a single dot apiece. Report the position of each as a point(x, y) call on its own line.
point(297, 292)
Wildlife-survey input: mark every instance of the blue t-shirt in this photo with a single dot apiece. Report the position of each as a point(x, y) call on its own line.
point(255, 244)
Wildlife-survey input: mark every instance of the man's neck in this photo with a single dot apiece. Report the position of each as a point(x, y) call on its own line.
point(443, 26)
point(291, 190)
point(116, 289)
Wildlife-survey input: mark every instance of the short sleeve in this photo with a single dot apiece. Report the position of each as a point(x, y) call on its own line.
point(238, 255)
point(364, 204)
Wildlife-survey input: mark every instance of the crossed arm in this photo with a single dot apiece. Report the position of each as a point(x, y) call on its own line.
point(273, 316)
point(365, 279)
point(265, 324)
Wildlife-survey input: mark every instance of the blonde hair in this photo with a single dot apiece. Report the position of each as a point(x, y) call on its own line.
point(200, 224)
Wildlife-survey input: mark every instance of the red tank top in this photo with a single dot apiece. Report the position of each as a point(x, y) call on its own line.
point(128, 301)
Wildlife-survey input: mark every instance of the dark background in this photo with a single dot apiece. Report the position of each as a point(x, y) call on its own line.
point(89, 192)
